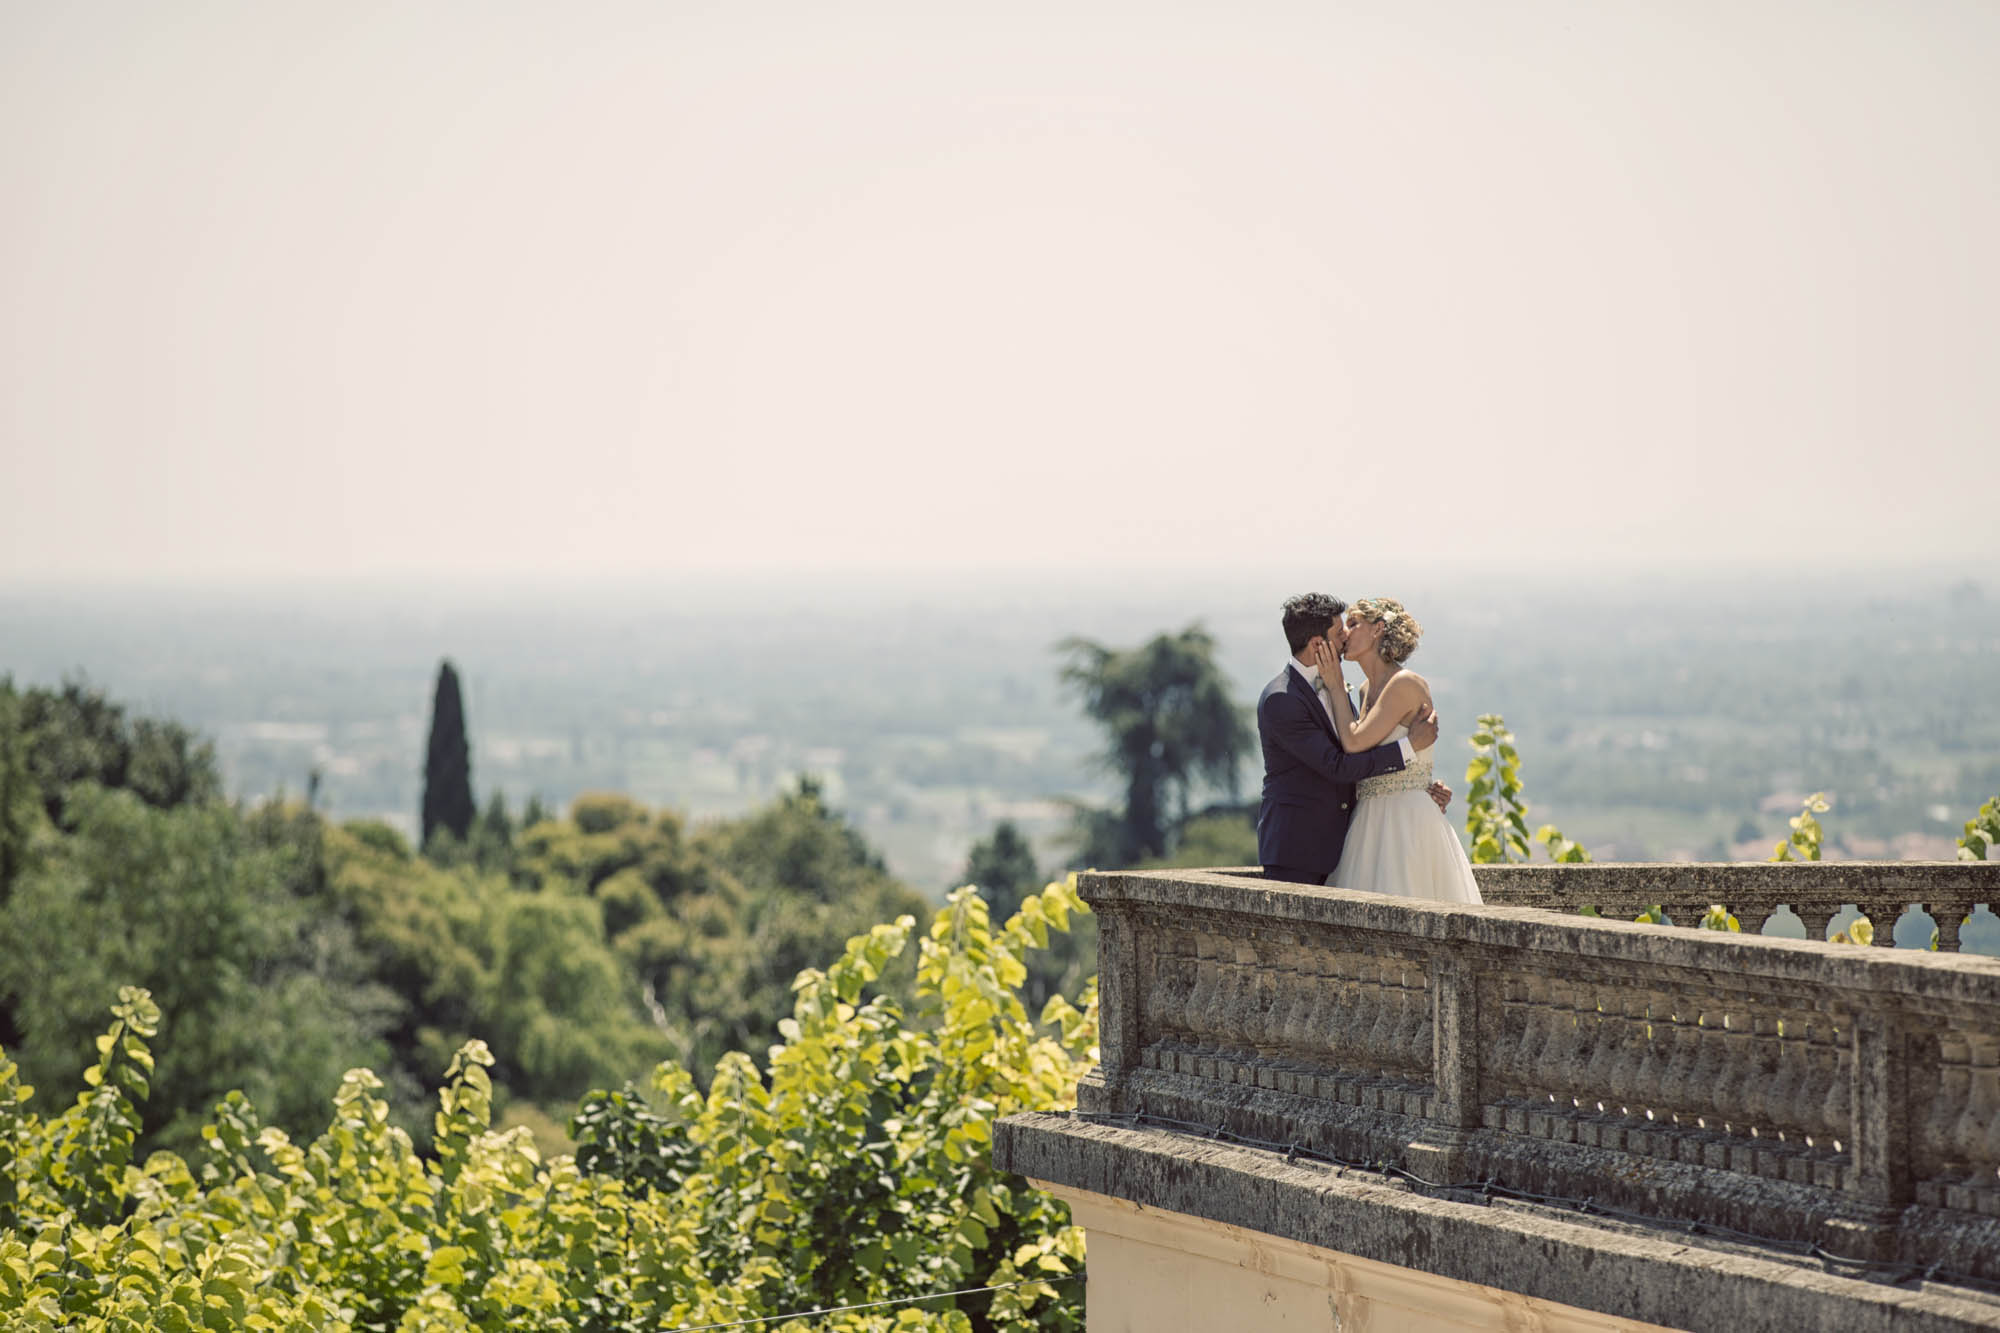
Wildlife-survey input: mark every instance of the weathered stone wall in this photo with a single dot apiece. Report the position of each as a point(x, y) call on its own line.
point(1800, 1092)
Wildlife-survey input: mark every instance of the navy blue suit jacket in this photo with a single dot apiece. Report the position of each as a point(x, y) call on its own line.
point(1308, 779)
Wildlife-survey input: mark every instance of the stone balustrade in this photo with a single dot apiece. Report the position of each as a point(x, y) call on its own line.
point(1793, 1090)
point(1815, 891)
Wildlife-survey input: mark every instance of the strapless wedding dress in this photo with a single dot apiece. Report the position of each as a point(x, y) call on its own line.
point(1400, 843)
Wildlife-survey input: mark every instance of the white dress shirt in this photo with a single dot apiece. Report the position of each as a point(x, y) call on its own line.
point(1311, 675)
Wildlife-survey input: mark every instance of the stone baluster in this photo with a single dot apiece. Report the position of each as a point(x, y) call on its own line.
point(1199, 1019)
point(1948, 915)
point(1815, 917)
point(1763, 1051)
point(1836, 1113)
point(1301, 1006)
point(1169, 976)
point(1387, 1013)
point(1266, 1018)
point(1225, 1015)
point(1525, 1083)
point(1624, 1088)
point(1328, 1018)
point(1252, 1020)
point(1709, 1082)
point(1530, 1085)
point(1809, 1095)
point(1649, 1082)
point(1789, 1079)
point(1596, 1084)
point(1500, 1070)
point(1259, 993)
point(1558, 1036)
point(1415, 1038)
point(1678, 1095)
point(1823, 1085)
point(1387, 1033)
point(1986, 1175)
point(1367, 1011)
point(1406, 998)
point(1734, 1071)
point(1883, 916)
point(1571, 1084)
point(1982, 1108)
point(1187, 1021)
point(1752, 919)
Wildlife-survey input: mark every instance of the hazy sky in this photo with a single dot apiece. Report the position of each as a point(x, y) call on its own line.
point(487, 288)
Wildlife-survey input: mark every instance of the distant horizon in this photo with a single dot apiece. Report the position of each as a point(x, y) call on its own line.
point(1600, 572)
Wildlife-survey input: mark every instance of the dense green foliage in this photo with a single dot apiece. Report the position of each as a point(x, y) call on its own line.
point(850, 1168)
point(712, 926)
point(448, 805)
point(1169, 722)
point(284, 949)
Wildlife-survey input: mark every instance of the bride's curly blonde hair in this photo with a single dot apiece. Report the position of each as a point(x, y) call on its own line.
point(1400, 630)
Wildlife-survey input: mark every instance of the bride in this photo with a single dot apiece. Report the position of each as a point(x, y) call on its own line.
point(1399, 841)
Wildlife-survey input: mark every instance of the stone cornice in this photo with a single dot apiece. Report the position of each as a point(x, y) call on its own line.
point(1660, 1278)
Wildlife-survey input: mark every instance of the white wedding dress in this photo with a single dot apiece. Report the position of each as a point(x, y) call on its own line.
point(1399, 842)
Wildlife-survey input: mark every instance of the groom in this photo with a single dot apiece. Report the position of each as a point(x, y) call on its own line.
point(1308, 779)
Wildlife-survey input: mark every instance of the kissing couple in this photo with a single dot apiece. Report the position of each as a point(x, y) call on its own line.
point(1349, 794)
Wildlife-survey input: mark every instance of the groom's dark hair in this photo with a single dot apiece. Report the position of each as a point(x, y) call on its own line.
point(1308, 616)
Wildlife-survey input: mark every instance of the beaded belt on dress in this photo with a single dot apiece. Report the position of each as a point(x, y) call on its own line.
point(1415, 777)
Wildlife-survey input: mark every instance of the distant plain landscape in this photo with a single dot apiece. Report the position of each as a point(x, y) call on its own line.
point(1657, 719)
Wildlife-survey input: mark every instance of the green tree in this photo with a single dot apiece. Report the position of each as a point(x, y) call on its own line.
point(211, 911)
point(448, 765)
point(78, 734)
point(1169, 722)
point(468, 954)
point(1003, 866)
point(20, 800)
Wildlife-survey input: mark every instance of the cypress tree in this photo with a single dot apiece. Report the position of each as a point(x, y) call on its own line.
point(448, 769)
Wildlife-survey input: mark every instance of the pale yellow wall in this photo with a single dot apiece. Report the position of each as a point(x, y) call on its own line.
point(1154, 1271)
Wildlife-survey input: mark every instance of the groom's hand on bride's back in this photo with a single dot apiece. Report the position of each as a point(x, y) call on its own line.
point(1424, 731)
point(1442, 795)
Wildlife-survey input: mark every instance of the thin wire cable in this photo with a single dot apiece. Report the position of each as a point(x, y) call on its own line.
point(878, 1305)
point(1490, 1188)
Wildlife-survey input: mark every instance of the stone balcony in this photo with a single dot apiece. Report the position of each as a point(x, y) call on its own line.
point(1801, 1099)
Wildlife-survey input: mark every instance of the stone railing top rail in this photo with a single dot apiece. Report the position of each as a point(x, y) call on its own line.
point(1742, 882)
point(1815, 891)
point(1192, 895)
